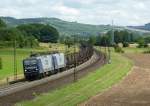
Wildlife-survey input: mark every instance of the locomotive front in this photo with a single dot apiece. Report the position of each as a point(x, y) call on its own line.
point(31, 68)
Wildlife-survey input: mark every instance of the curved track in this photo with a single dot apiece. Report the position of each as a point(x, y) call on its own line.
point(27, 90)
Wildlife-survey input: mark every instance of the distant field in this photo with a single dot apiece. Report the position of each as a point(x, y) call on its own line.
point(7, 57)
point(127, 49)
point(58, 47)
point(134, 50)
point(86, 87)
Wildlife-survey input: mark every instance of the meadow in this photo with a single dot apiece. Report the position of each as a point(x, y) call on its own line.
point(7, 56)
point(94, 83)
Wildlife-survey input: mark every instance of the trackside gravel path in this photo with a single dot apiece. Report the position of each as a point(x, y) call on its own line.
point(134, 90)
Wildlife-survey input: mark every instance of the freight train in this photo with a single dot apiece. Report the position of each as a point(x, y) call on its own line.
point(38, 66)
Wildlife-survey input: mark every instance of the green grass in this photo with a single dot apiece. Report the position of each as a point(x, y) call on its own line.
point(127, 49)
point(8, 60)
point(134, 50)
point(8, 63)
point(86, 87)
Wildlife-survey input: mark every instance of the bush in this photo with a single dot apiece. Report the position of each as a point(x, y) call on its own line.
point(0, 63)
point(50, 46)
point(145, 45)
point(118, 49)
point(125, 44)
point(142, 45)
point(147, 52)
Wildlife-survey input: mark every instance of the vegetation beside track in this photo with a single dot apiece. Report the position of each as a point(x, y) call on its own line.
point(6, 55)
point(86, 87)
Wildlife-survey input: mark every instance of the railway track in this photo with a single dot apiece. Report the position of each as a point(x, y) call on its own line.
point(9, 89)
point(20, 86)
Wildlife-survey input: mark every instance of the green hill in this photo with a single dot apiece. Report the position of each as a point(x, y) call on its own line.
point(63, 27)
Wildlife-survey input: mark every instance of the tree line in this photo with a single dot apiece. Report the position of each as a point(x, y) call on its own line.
point(27, 35)
point(103, 39)
point(125, 37)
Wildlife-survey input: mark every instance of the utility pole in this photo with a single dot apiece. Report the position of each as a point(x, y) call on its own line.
point(66, 46)
point(15, 62)
point(111, 43)
point(75, 62)
point(112, 36)
point(105, 50)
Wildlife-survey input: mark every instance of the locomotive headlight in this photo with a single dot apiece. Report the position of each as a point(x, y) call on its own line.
point(25, 70)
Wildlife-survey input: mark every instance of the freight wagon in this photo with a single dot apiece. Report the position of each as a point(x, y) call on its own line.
point(44, 64)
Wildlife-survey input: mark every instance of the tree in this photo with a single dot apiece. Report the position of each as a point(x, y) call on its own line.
point(131, 37)
point(8, 34)
point(49, 34)
point(2, 24)
point(44, 33)
point(141, 42)
point(105, 40)
point(147, 39)
point(69, 41)
point(92, 40)
point(123, 36)
point(98, 40)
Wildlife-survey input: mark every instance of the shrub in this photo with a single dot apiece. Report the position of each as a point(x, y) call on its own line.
point(118, 49)
point(50, 46)
point(145, 45)
point(142, 45)
point(147, 51)
point(125, 44)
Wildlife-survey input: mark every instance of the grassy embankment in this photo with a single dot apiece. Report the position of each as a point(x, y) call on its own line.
point(86, 87)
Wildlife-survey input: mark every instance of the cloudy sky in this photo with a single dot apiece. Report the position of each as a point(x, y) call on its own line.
point(123, 12)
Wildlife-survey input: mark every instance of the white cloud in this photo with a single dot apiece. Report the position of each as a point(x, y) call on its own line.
point(124, 12)
point(64, 10)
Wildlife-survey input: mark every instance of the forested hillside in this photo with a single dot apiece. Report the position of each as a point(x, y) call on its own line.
point(27, 35)
point(64, 27)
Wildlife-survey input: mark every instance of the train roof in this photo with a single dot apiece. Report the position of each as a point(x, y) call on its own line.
point(43, 53)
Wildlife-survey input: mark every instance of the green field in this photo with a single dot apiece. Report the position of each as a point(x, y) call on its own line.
point(86, 87)
point(135, 50)
point(8, 62)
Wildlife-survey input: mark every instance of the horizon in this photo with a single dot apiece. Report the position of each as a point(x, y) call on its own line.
point(94, 12)
point(72, 21)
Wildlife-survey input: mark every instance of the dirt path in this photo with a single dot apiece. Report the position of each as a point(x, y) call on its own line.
point(134, 90)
